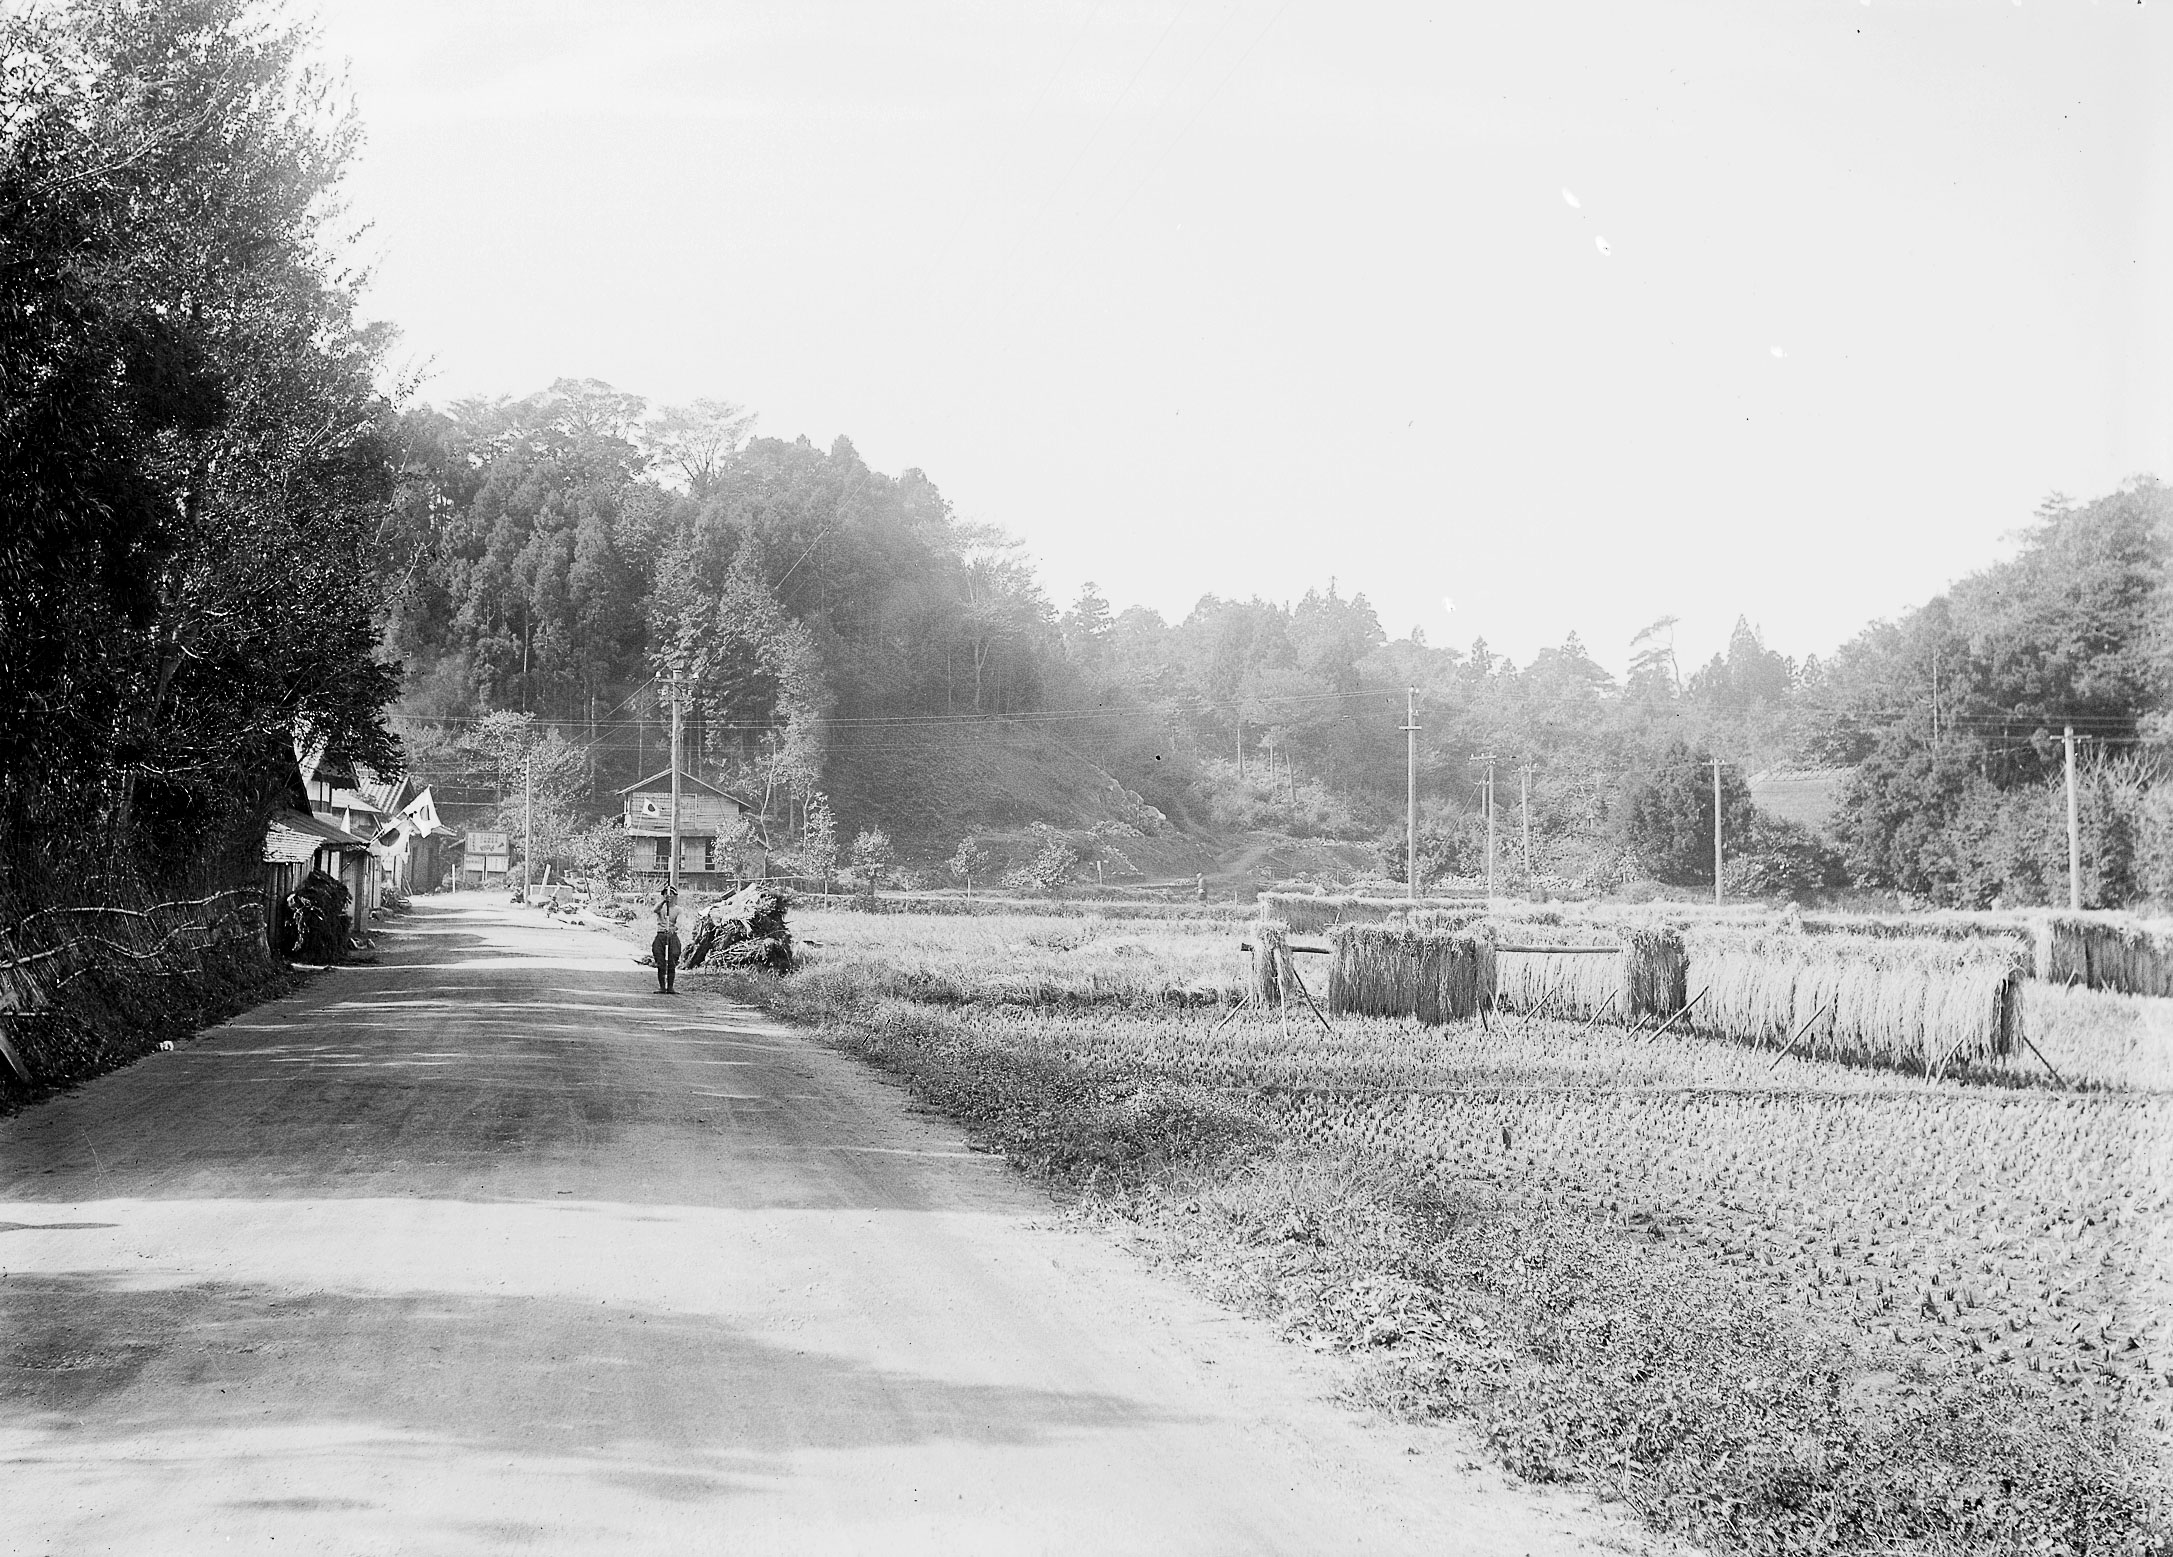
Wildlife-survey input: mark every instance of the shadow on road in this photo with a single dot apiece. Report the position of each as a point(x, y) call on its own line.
point(99, 1359)
point(484, 1060)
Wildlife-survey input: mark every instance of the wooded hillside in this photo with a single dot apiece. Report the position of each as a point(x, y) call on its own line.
point(839, 627)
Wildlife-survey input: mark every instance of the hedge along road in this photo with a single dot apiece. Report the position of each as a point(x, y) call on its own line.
point(491, 1247)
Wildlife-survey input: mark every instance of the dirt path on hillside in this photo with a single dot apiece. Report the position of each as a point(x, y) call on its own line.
point(491, 1248)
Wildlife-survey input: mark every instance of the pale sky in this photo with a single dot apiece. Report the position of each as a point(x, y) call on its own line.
point(1576, 315)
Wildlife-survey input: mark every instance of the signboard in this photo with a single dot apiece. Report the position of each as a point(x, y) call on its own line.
point(490, 843)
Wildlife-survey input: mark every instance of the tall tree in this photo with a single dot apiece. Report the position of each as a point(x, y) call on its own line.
point(695, 442)
point(197, 152)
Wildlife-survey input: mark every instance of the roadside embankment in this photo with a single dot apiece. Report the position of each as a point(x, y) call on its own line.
point(88, 988)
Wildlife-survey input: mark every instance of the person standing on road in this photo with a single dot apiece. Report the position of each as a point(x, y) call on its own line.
point(665, 948)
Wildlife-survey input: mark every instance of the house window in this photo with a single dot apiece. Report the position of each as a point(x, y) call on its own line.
point(709, 854)
point(664, 854)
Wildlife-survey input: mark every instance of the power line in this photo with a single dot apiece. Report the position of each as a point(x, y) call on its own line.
point(860, 721)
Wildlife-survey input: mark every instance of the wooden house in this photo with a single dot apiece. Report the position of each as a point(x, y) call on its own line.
point(295, 843)
point(718, 845)
point(339, 795)
point(415, 847)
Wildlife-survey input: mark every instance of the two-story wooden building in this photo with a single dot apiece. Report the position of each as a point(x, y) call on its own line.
point(718, 846)
point(336, 796)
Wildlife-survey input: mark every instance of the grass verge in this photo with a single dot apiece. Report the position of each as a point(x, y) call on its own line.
point(1588, 1348)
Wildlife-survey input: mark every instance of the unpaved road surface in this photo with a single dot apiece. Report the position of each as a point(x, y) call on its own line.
point(491, 1248)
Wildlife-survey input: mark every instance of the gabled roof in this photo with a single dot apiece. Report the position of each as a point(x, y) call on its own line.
point(663, 782)
point(320, 766)
point(344, 799)
point(294, 837)
point(388, 795)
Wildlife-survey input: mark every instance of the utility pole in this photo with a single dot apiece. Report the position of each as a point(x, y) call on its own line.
point(1716, 831)
point(1525, 805)
point(1490, 827)
point(1410, 792)
point(674, 878)
point(528, 818)
point(2074, 829)
point(1487, 757)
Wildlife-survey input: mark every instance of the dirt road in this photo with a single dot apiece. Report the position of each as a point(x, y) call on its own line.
point(490, 1247)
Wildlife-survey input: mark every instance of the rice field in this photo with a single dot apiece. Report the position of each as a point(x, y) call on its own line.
point(1998, 1242)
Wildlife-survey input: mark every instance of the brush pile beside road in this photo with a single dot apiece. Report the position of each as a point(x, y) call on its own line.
point(746, 930)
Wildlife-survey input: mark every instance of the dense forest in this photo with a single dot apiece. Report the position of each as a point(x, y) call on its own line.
point(556, 555)
point(229, 535)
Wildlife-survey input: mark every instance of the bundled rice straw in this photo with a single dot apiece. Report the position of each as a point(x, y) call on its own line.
point(1643, 977)
point(2099, 950)
point(1573, 983)
point(1945, 926)
point(1923, 1002)
point(1655, 976)
point(1309, 914)
point(2106, 951)
point(1388, 970)
point(1274, 979)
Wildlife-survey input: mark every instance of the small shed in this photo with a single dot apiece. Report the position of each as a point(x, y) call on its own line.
point(295, 843)
point(717, 842)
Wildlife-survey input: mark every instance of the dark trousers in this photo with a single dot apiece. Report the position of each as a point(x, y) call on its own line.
point(665, 950)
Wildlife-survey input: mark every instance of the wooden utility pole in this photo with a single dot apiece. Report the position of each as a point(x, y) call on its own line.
point(528, 818)
point(2074, 829)
point(1716, 831)
point(1410, 792)
point(1490, 829)
point(674, 877)
point(1488, 758)
point(1524, 775)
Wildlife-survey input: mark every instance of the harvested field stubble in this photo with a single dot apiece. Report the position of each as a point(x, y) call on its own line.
point(1780, 1305)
